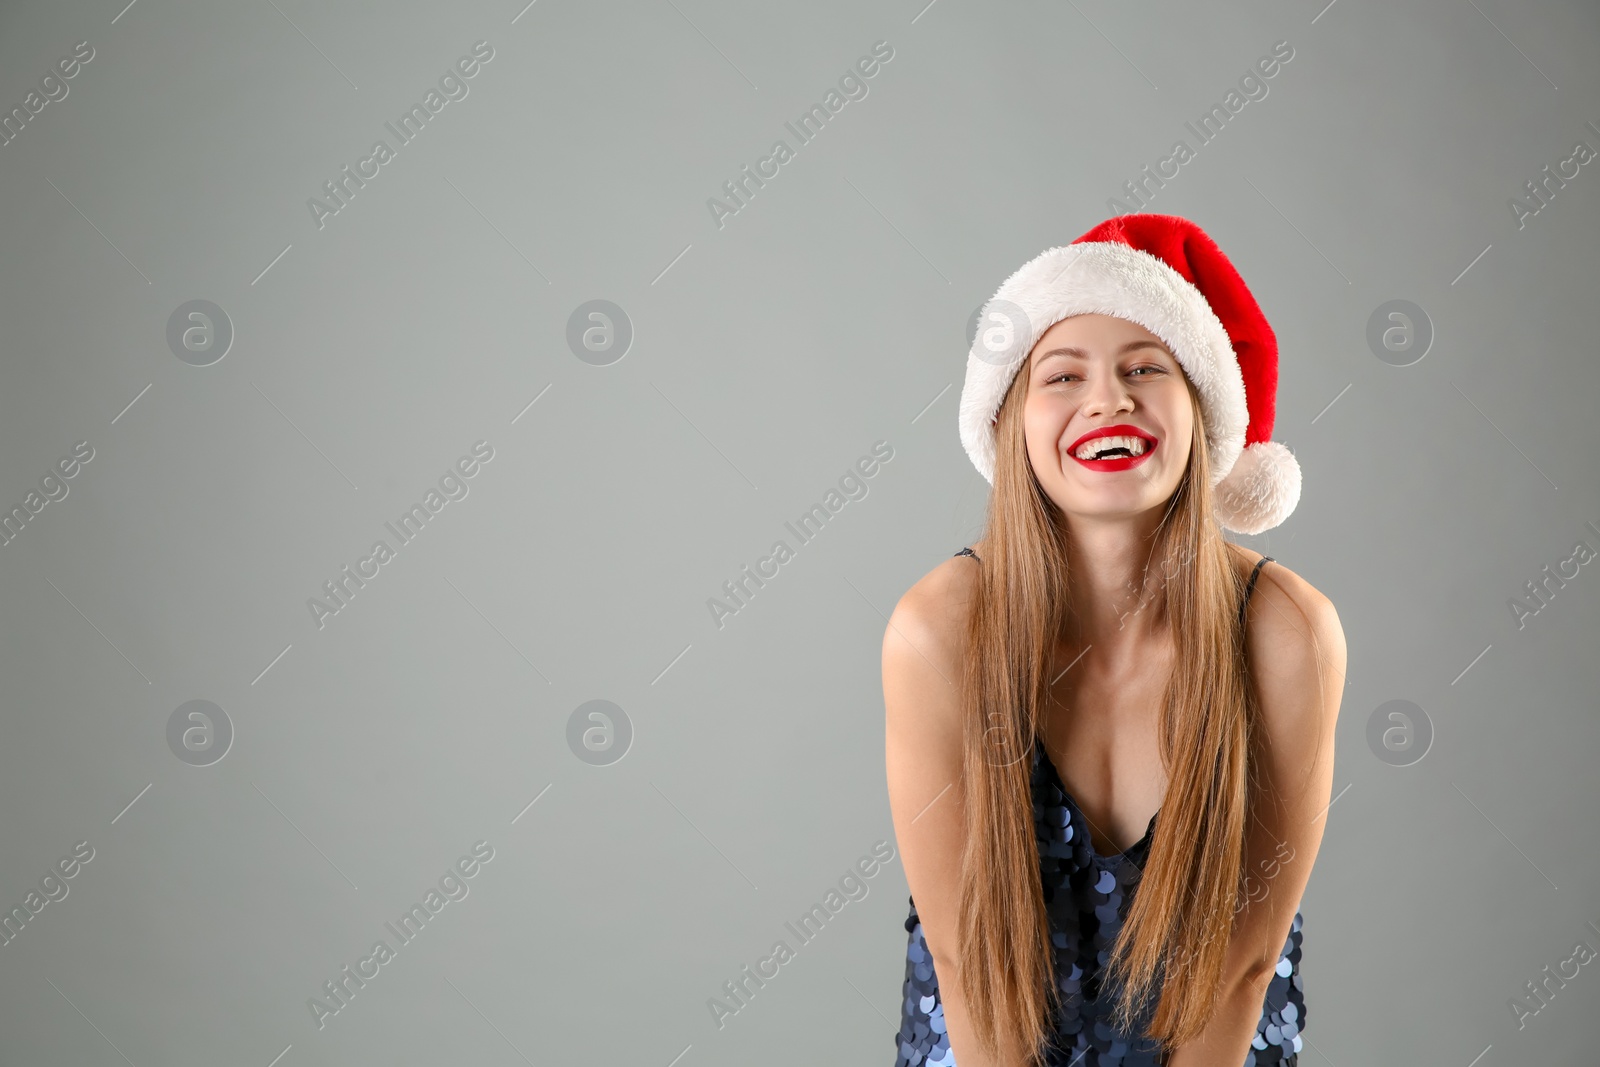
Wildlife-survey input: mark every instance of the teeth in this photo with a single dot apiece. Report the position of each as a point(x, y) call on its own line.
point(1135, 445)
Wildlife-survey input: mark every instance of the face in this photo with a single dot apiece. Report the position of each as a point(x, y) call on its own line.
point(1091, 372)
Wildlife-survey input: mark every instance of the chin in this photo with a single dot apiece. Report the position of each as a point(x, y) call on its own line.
point(1105, 503)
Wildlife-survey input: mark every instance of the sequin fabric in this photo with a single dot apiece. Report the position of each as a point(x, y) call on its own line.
point(1087, 897)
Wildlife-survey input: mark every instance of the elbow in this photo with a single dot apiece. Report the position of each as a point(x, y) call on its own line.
point(943, 964)
point(1255, 980)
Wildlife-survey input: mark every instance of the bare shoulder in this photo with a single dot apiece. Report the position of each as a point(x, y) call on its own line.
point(1296, 648)
point(927, 627)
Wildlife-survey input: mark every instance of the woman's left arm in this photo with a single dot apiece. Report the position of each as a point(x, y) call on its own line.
point(1296, 651)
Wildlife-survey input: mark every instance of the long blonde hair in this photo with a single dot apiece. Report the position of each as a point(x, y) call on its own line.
point(1175, 936)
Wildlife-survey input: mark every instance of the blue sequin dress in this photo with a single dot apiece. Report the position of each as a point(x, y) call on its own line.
point(1087, 897)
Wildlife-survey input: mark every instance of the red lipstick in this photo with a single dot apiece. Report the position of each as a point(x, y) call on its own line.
point(1119, 462)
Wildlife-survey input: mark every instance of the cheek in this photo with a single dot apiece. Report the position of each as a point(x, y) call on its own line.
point(1179, 413)
point(1187, 429)
point(1181, 440)
point(1042, 426)
point(1046, 414)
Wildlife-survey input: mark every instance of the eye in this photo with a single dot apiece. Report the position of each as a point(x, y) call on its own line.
point(1152, 368)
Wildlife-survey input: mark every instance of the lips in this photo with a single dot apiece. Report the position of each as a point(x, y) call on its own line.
point(1119, 463)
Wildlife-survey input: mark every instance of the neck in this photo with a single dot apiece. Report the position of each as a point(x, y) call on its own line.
point(1115, 600)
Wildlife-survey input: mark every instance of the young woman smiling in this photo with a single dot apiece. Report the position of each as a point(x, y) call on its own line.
point(1103, 664)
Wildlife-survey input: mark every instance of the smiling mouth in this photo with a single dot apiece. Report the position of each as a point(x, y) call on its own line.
point(1114, 452)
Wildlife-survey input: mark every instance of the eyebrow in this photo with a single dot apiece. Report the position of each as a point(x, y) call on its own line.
point(1081, 354)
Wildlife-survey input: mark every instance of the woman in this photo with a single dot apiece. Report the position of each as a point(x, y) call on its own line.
point(1101, 663)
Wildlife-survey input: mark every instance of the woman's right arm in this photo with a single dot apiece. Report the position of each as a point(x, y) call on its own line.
point(923, 743)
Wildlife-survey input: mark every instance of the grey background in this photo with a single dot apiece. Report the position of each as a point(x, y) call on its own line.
point(768, 356)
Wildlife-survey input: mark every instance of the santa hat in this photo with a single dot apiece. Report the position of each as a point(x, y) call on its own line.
point(1164, 273)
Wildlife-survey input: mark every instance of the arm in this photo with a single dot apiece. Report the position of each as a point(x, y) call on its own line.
point(923, 755)
point(1298, 657)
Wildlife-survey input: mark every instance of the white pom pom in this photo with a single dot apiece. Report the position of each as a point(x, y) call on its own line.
point(1260, 491)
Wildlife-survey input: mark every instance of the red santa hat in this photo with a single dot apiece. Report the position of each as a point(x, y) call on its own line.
point(1164, 273)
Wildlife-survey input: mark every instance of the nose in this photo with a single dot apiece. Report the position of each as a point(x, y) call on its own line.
point(1107, 393)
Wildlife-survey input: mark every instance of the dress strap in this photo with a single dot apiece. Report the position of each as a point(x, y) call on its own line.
point(967, 552)
point(1250, 588)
